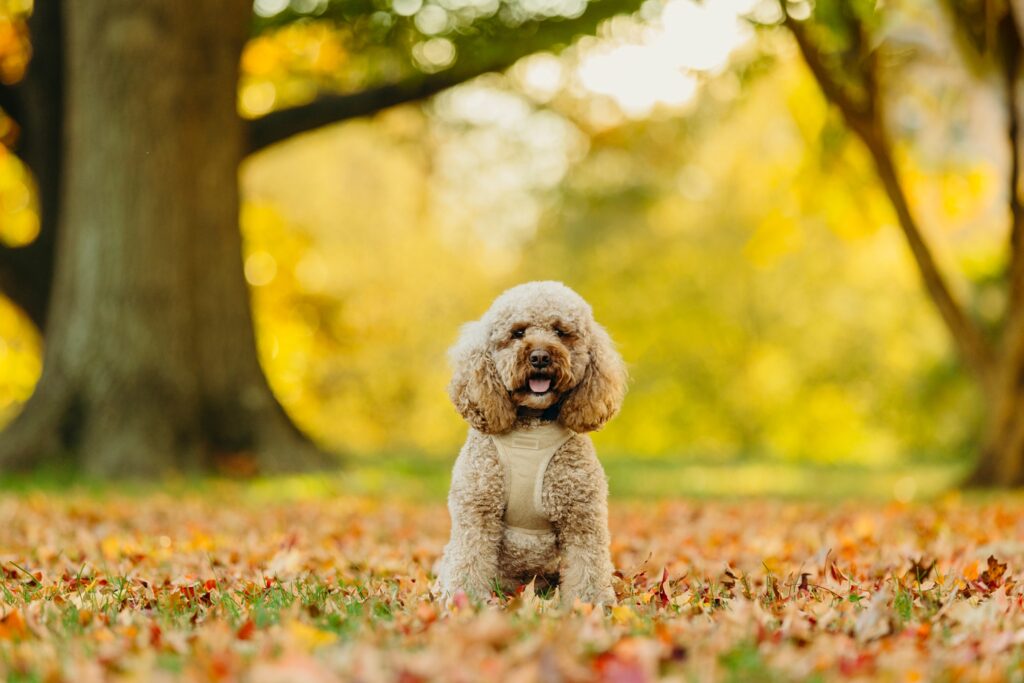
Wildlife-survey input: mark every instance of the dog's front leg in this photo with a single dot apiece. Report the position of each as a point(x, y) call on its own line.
point(586, 566)
point(576, 494)
point(477, 505)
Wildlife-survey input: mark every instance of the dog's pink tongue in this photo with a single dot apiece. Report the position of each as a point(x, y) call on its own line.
point(539, 385)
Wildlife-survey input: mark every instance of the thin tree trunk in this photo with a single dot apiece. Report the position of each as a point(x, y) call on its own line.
point(967, 337)
point(1001, 462)
point(1001, 458)
point(999, 372)
point(150, 363)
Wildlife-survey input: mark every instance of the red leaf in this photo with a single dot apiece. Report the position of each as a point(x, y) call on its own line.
point(246, 630)
point(615, 669)
point(863, 663)
point(662, 594)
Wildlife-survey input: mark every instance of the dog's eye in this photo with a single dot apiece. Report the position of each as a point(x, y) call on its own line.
point(560, 332)
point(518, 333)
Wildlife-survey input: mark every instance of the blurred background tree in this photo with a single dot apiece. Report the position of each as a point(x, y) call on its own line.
point(862, 62)
point(130, 126)
point(680, 168)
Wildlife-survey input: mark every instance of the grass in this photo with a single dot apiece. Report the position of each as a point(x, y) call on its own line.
point(425, 479)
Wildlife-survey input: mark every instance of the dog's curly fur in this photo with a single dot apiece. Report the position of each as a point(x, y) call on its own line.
point(490, 389)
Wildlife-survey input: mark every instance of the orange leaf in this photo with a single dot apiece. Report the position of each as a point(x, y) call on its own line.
point(12, 625)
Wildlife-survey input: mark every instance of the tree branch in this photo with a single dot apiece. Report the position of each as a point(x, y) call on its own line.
point(327, 109)
point(834, 91)
point(967, 336)
point(866, 122)
point(477, 56)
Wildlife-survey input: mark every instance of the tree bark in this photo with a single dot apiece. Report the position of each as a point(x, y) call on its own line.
point(1001, 458)
point(150, 363)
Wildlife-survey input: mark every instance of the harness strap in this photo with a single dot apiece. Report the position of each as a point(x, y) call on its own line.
point(526, 453)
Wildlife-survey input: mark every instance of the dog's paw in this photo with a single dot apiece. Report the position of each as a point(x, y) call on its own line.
point(461, 592)
point(598, 596)
point(604, 597)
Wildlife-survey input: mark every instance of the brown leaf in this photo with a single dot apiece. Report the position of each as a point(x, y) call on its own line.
point(992, 577)
point(919, 571)
point(831, 569)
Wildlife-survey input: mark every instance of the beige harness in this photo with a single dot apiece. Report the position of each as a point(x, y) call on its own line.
point(526, 453)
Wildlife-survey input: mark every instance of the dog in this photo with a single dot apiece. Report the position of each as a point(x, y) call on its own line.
point(528, 497)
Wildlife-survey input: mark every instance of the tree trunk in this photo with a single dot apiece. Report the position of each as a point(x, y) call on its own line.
point(150, 363)
point(1001, 461)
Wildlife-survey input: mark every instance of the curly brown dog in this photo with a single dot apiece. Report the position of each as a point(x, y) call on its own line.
point(528, 496)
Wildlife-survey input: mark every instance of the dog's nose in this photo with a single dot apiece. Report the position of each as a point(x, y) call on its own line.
point(539, 358)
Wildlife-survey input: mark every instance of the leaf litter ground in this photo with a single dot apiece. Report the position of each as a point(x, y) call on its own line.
point(217, 586)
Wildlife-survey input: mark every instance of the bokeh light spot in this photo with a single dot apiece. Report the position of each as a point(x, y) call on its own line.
point(269, 8)
point(258, 98)
point(432, 20)
point(434, 54)
point(406, 8)
point(260, 268)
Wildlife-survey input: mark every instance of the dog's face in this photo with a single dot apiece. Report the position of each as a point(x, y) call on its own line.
point(538, 347)
point(535, 358)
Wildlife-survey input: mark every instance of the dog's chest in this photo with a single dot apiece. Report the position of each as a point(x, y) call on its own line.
point(526, 452)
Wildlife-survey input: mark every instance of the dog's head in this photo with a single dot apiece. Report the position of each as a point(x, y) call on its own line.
point(537, 347)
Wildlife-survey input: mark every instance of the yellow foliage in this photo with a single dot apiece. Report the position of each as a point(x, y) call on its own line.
point(776, 236)
point(623, 615)
point(19, 218)
point(757, 287)
point(20, 364)
point(309, 637)
point(288, 66)
point(15, 50)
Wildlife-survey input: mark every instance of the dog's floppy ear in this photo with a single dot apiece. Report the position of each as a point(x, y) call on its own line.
point(598, 395)
point(475, 389)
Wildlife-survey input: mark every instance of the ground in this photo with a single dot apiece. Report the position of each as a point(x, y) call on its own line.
point(243, 582)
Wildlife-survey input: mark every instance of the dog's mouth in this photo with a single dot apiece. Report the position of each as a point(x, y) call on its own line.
point(539, 384)
point(539, 391)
